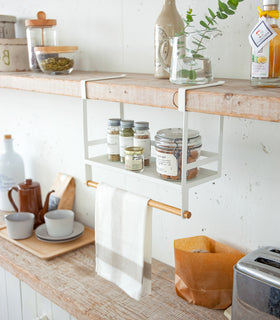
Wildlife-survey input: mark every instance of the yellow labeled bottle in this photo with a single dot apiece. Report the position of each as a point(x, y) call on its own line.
point(265, 71)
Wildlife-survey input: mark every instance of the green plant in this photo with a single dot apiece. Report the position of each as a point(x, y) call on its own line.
point(208, 31)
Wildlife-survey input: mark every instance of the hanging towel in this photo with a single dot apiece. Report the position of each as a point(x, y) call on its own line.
point(123, 236)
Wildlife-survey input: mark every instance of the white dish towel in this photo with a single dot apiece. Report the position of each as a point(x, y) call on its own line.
point(123, 237)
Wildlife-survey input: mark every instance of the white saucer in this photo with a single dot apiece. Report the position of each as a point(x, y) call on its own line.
point(60, 241)
point(42, 234)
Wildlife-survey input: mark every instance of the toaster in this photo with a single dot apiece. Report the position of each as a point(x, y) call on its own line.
point(256, 286)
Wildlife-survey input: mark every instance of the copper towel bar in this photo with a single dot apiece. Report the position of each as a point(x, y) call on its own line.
point(154, 204)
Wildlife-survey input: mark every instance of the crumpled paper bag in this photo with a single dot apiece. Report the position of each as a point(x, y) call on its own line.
point(204, 271)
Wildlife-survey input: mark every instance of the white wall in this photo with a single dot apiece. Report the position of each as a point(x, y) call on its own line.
point(240, 209)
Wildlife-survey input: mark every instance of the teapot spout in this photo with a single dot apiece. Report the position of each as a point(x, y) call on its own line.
point(46, 206)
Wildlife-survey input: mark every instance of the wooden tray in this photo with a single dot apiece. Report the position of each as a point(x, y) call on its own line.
point(46, 250)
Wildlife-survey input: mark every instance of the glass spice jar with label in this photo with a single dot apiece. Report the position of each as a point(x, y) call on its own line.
point(134, 159)
point(169, 152)
point(113, 146)
point(126, 137)
point(142, 139)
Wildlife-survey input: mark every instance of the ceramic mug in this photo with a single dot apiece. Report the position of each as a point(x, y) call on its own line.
point(19, 225)
point(59, 223)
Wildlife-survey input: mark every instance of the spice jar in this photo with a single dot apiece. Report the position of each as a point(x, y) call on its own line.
point(7, 27)
point(40, 33)
point(169, 152)
point(142, 139)
point(126, 136)
point(134, 159)
point(113, 146)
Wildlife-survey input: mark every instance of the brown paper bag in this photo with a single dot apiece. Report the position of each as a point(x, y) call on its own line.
point(204, 271)
point(63, 197)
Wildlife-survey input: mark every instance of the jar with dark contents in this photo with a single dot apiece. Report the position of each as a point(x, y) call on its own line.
point(40, 32)
point(169, 152)
point(134, 159)
point(126, 136)
point(113, 145)
point(142, 139)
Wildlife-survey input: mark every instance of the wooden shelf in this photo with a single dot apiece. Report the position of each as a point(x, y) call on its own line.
point(236, 98)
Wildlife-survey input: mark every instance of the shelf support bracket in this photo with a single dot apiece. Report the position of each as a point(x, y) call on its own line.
point(182, 108)
point(86, 143)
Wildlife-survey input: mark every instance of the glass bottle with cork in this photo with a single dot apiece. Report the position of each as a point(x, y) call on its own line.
point(126, 137)
point(265, 42)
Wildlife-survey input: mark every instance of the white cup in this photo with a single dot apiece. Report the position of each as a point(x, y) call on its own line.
point(59, 223)
point(20, 225)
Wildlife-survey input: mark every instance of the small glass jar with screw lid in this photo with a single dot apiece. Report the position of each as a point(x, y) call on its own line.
point(126, 136)
point(113, 146)
point(134, 159)
point(142, 138)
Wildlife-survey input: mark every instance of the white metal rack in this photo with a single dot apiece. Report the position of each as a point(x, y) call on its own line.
point(150, 175)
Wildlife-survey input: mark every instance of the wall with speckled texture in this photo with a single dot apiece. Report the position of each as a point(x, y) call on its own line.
point(240, 209)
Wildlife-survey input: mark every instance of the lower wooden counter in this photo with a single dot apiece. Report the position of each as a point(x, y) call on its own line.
point(70, 282)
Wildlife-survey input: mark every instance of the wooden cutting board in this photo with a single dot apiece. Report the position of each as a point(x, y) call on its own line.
point(46, 250)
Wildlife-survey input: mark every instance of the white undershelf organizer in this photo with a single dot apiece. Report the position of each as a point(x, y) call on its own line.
point(104, 168)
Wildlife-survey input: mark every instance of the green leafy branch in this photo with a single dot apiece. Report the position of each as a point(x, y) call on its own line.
point(208, 24)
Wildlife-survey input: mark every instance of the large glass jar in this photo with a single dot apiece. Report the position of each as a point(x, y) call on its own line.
point(142, 139)
point(126, 136)
point(39, 33)
point(169, 152)
point(113, 146)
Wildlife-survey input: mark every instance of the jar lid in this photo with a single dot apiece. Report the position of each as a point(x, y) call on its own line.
point(114, 122)
point(127, 123)
point(4, 18)
point(29, 184)
point(174, 136)
point(56, 49)
point(133, 150)
point(270, 2)
point(7, 136)
point(141, 125)
point(41, 21)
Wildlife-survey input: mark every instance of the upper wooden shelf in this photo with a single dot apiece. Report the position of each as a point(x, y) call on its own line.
point(236, 98)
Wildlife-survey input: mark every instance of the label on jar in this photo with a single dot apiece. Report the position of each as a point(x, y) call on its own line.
point(133, 164)
point(146, 144)
point(125, 142)
point(113, 146)
point(166, 164)
point(260, 62)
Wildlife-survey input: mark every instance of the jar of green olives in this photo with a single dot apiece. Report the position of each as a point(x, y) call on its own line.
point(126, 137)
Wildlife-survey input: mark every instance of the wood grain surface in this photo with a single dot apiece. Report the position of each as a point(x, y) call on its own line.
point(46, 250)
point(70, 282)
point(236, 98)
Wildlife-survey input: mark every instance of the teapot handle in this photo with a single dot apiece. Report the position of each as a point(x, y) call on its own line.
point(10, 197)
point(161, 54)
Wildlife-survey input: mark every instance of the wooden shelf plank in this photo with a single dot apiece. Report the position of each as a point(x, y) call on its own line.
point(236, 98)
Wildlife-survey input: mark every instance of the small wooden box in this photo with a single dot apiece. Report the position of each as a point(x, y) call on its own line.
point(13, 55)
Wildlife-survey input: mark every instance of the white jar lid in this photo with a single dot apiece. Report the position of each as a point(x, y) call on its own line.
point(4, 18)
point(270, 2)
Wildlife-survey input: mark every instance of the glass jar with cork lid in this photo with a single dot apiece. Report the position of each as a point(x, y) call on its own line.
point(40, 32)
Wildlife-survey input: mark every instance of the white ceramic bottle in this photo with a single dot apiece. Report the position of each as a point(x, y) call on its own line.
point(167, 25)
point(11, 172)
